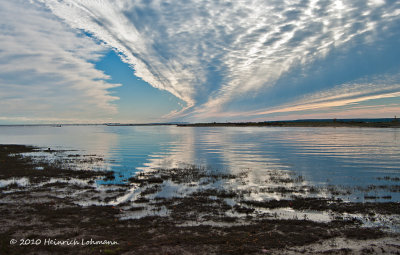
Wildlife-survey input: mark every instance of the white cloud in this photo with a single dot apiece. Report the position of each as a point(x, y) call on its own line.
point(210, 53)
point(329, 102)
point(46, 69)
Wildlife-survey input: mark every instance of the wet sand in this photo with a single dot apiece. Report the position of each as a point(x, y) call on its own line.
point(53, 202)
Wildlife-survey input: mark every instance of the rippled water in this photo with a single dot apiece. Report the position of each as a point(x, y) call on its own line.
point(356, 157)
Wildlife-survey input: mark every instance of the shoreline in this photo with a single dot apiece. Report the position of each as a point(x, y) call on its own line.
point(372, 123)
point(61, 203)
point(301, 123)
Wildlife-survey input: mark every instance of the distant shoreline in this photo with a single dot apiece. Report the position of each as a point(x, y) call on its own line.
point(302, 123)
point(374, 123)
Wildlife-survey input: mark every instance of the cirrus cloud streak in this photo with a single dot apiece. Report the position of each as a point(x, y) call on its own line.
point(46, 69)
point(216, 54)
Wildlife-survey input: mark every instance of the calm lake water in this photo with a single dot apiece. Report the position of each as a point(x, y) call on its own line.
point(356, 157)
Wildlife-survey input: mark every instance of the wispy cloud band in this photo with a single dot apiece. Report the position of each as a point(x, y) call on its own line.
point(211, 53)
point(215, 55)
point(47, 70)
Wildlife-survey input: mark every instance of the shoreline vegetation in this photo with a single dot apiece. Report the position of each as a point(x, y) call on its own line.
point(56, 201)
point(375, 123)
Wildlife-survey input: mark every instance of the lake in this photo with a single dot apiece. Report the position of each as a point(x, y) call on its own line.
point(352, 158)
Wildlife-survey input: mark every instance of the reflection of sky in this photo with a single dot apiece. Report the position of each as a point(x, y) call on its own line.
point(340, 156)
point(93, 139)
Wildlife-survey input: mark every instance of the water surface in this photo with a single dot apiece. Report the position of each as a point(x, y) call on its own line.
point(348, 157)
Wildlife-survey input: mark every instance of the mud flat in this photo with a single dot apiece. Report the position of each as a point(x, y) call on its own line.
point(55, 207)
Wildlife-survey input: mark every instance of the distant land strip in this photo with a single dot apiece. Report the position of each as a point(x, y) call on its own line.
point(377, 123)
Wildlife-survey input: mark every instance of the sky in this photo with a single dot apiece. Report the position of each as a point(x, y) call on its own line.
point(128, 61)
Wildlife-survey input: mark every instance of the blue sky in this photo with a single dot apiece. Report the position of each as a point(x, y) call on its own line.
point(132, 61)
point(137, 99)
